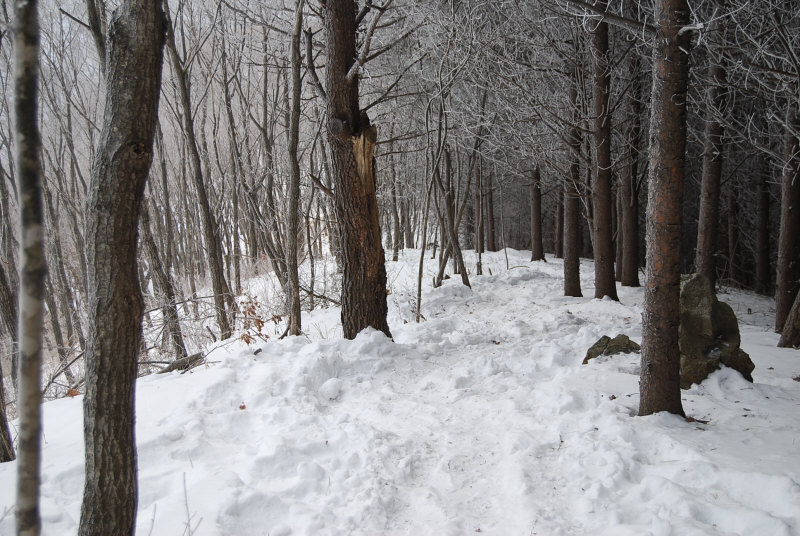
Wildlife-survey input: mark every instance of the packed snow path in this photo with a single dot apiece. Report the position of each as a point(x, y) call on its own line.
point(481, 419)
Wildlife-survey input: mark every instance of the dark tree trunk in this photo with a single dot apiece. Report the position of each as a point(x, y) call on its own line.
point(537, 247)
point(558, 249)
point(707, 225)
point(604, 281)
point(352, 141)
point(572, 215)
point(763, 272)
point(788, 270)
point(119, 172)
point(618, 218)
point(491, 235)
point(405, 224)
point(479, 213)
point(659, 384)
point(629, 223)
point(733, 237)
point(397, 229)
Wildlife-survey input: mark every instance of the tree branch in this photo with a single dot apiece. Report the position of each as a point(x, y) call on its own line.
point(611, 18)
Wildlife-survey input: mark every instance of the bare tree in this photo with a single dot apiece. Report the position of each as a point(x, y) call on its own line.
point(120, 169)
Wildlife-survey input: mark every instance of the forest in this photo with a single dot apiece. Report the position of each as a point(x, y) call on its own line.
point(160, 157)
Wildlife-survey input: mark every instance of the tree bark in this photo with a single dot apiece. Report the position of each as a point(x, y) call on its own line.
point(293, 227)
point(572, 223)
point(733, 237)
point(491, 235)
point(618, 238)
point(352, 140)
point(788, 269)
point(629, 223)
point(479, 213)
point(558, 235)
point(119, 172)
point(604, 281)
point(763, 272)
point(708, 220)
point(790, 337)
point(32, 264)
point(537, 247)
point(659, 384)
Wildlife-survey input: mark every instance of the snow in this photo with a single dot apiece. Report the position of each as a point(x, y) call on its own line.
point(480, 419)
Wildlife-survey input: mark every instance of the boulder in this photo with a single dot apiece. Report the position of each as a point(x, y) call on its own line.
point(620, 344)
point(709, 333)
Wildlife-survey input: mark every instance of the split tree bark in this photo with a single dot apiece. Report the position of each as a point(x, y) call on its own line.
point(352, 141)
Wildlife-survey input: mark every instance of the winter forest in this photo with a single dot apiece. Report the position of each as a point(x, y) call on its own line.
point(332, 267)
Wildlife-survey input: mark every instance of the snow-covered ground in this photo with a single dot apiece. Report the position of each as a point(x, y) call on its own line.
point(480, 419)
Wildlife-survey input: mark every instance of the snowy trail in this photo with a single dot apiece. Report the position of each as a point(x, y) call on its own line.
point(480, 420)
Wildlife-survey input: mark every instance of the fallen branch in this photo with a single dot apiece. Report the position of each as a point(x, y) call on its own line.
point(184, 363)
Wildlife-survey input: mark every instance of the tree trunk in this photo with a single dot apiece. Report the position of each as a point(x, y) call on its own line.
point(491, 235)
point(352, 141)
point(763, 272)
point(537, 247)
point(119, 172)
point(604, 282)
point(790, 337)
point(707, 225)
point(733, 237)
point(558, 248)
point(629, 193)
point(618, 241)
point(659, 383)
point(32, 264)
point(572, 223)
point(479, 214)
point(293, 227)
point(788, 269)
